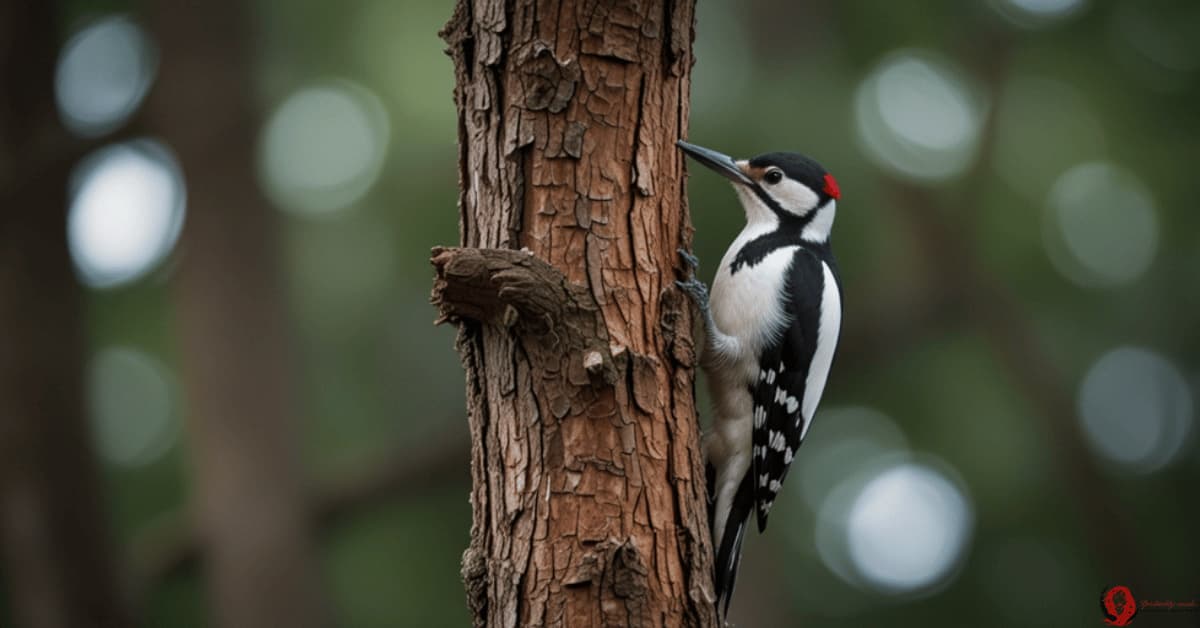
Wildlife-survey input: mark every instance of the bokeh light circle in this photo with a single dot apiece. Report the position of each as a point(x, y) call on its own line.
point(103, 74)
point(323, 147)
point(1136, 409)
point(843, 441)
point(907, 528)
point(1101, 227)
point(1038, 13)
point(898, 526)
point(918, 117)
point(127, 208)
point(131, 397)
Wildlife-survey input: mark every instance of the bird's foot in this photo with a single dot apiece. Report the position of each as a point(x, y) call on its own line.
point(692, 286)
point(690, 260)
point(696, 290)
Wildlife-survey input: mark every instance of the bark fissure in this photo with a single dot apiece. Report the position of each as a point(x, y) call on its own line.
point(580, 403)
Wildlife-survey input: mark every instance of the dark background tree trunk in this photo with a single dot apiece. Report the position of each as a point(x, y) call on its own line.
point(243, 428)
point(54, 534)
point(588, 495)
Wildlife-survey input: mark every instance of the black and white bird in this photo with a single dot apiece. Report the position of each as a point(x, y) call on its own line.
point(772, 325)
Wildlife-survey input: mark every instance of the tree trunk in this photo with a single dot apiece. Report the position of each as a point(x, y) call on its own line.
point(589, 505)
point(243, 428)
point(57, 556)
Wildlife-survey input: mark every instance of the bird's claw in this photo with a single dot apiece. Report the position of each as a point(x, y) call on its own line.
point(696, 290)
point(690, 260)
point(692, 286)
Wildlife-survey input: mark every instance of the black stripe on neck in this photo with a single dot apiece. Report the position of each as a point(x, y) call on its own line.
point(789, 232)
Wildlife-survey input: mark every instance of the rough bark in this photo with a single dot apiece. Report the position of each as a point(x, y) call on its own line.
point(243, 428)
point(588, 496)
point(57, 557)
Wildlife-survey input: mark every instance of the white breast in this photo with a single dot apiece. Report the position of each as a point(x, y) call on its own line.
point(746, 305)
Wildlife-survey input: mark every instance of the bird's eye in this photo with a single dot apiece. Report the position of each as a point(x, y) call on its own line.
point(773, 177)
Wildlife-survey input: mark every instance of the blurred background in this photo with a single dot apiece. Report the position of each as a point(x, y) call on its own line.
point(1010, 425)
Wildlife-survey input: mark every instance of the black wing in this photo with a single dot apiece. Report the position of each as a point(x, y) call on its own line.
point(779, 391)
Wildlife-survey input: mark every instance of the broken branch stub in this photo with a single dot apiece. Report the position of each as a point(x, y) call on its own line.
point(534, 300)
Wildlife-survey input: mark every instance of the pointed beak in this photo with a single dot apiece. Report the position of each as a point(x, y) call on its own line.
point(722, 164)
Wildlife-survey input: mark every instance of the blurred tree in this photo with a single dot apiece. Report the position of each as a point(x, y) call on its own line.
point(54, 535)
point(589, 504)
point(243, 431)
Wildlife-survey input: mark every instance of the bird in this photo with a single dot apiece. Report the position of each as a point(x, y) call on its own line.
point(771, 328)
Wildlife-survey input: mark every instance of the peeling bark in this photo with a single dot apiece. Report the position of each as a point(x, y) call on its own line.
point(589, 506)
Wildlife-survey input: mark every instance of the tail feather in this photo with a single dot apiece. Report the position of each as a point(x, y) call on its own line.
point(729, 554)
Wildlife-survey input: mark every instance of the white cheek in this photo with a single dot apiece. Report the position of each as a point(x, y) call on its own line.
point(794, 197)
point(756, 211)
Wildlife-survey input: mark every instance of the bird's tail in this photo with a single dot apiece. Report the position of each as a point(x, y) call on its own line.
point(729, 554)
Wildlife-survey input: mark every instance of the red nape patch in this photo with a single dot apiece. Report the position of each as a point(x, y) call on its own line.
point(831, 187)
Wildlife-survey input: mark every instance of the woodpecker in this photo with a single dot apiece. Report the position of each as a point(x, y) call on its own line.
point(771, 326)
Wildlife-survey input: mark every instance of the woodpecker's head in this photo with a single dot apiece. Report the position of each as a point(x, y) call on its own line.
point(787, 189)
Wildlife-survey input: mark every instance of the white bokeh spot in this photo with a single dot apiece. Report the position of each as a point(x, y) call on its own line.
point(846, 440)
point(908, 528)
point(103, 74)
point(324, 147)
point(131, 397)
point(918, 117)
point(1038, 13)
point(1136, 409)
point(1101, 226)
point(126, 211)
